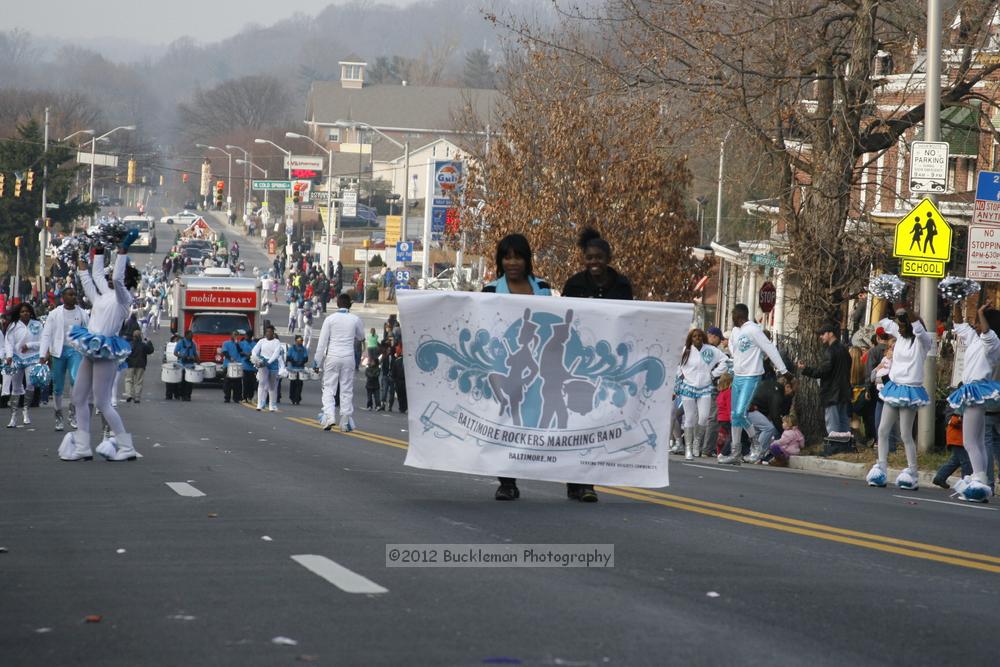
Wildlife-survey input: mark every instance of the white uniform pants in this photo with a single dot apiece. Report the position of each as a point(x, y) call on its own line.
point(338, 371)
point(267, 387)
point(696, 411)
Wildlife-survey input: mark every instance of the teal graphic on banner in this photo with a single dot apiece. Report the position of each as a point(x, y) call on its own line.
point(536, 374)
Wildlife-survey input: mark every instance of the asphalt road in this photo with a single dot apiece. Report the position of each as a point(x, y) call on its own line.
point(726, 566)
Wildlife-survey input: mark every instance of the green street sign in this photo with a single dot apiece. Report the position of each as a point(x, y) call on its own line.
point(271, 185)
point(768, 259)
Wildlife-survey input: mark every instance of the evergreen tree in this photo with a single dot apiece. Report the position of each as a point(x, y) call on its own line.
point(479, 73)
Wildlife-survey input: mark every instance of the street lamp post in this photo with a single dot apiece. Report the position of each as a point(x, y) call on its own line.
point(93, 158)
point(253, 166)
point(718, 194)
point(229, 178)
point(67, 138)
point(406, 167)
point(246, 177)
point(330, 228)
point(288, 154)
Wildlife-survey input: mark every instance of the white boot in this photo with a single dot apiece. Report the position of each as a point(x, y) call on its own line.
point(699, 436)
point(24, 412)
point(347, 424)
point(59, 420)
point(72, 416)
point(689, 434)
point(13, 416)
point(76, 447)
point(118, 448)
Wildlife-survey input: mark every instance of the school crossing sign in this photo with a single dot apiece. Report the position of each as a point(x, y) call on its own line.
point(923, 241)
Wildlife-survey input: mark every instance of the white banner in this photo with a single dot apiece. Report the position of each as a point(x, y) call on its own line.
point(549, 388)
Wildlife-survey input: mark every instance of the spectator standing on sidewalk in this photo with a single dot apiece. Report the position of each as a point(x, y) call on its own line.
point(136, 367)
point(834, 374)
point(959, 458)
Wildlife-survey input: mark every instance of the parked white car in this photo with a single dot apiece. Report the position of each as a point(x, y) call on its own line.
point(183, 218)
point(449, 279)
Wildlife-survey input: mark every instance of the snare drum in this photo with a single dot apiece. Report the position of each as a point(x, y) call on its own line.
point(171, 373)
point(294, 375)
point(234, 371)
point(195, 374)
point(209, 371)
point(312, 374)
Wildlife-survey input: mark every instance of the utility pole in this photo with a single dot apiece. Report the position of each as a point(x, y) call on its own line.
point(718, 194)
point(928, 292)
point(43, 235)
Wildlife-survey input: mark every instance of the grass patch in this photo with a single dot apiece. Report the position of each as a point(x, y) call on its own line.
point(931, 460)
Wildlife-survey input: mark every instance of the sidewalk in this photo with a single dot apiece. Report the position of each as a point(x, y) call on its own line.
point(832, 467)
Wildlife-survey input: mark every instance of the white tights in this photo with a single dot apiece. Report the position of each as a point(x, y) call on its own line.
point(97, 379)
point(906, 417)
point(974, 437)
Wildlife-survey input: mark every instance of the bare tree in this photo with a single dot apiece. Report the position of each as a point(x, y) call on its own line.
point(252, 102)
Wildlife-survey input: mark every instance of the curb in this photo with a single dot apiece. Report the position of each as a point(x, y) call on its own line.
point(818, 464)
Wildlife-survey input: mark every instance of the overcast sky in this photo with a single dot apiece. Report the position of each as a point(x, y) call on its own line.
point(155, 22)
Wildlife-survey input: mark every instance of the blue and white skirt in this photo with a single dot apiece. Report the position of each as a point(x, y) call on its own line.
point(24, 362)
point(904, 395)
point(98, 347)
point(983, 392)
point(682, 388)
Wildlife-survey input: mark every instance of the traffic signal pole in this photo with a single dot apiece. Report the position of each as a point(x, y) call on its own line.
point(928, 293)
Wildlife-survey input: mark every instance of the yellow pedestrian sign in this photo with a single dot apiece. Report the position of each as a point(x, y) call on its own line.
point(923, 234)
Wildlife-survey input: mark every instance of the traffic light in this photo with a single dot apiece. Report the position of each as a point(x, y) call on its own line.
point(220, 187)
point(3, 182)
point(17, 241)
point(31, 181)
point(161, 180)
point(184, 178)
point(17, 186)
point(131, 172)
point(296, 195)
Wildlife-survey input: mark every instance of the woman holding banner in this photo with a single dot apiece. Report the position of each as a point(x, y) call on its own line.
point(514, 276)
point(596, 281)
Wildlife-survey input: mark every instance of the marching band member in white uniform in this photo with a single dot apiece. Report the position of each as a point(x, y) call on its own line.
point(57, 350)
point(978, 393)
point(268, 357)
point(700, 362)
point(103, 350)
point(24, 337)
point(335, 355)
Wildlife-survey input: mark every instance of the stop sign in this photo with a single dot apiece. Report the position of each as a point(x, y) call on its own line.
point(767, 297)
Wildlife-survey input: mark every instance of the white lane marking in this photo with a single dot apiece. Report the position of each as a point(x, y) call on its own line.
point(975, 506)
point(338, 575)
point(715, 468)
point(184, 489)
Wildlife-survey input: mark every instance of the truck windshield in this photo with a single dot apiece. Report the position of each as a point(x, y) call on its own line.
point(219, 324)
point(141, 225)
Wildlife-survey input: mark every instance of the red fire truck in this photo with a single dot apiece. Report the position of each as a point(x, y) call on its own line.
point(212, 308)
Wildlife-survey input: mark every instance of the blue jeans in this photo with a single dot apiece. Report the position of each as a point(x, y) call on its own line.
point(837, 419)
point(387, 389)
point(69, 361)
point(765, 429)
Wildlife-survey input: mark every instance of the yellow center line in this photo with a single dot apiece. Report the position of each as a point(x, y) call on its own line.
point(830, 537)
point(363, 435)
point(820, 531)
point(807, 524)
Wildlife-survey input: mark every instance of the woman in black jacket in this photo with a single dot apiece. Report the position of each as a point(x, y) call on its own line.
point(596, 281)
